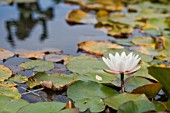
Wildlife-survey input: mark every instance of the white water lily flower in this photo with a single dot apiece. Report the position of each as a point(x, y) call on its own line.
point(122, 63)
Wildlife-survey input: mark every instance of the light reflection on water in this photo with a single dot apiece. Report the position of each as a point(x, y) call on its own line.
point(42, 24)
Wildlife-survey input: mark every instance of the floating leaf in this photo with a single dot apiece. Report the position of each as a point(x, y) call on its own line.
point(118, 99)
point(5, 54)
point(106, 78)
point(19, 78)
point(97, 48)
point(137, 40)
point(42, 107)
point(38, 65)
point(11, 105)
point(94, 104)
point(89, 89)
point(161, 74)
point(55, 58)
point(150, 90)
point(7, 84)
point(5, 73)
point(52, 81)
point(11, 92)
point(85, 66)
point(72, 110)
point(132, 83)
point(75, 16)
point(136, 107)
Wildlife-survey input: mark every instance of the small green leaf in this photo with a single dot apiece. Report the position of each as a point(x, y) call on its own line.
point(38, 65)
point(71, 110)
point(5, 73)
point(19, 78)
point(118, 99)
point(10, 91)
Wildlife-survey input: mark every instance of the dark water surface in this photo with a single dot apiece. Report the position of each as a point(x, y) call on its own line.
point(42, 24)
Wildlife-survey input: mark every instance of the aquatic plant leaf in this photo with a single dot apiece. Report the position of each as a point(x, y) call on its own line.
point(75, 16)
point(10, 91)
point(42, 107)
point(55, 57)
point(139, 106)
point(137, 40)
point(72, 110)
point(5, 73)
point(150, 90)
point(97, 48)
point(38, 65)
point(133, 82)
point(118, 99)
point(5, 54)
point(89, 89)
point(93, 104)
point(11, 105)
point(53, 81)
point(161, 74)
point(7, 84)
point(85, 65)
point(18, 78)
point(105, 77)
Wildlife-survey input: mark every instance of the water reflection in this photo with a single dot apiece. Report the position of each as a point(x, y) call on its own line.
point(27, 21)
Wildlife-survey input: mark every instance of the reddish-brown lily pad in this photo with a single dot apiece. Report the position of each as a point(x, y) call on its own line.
point(5, 54)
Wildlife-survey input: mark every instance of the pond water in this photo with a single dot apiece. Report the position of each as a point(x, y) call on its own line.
point(42, 24)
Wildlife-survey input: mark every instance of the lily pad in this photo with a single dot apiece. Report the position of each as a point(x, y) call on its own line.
point(161, 74)
point(94, 104)
point(5, 73)
point(42, 107)
point(150, 90)
point(11, 105)
point(5, 54)
point(89, 89)
point(132, 83)
point(72, 110)
point(136, 107)
point(52, 81)
point(38, 65)
point(55, 57)
point(19, 78)
point(97, 48)
point(75, 16)
point(137, 40)
point(84, 66)
point(10, 91)
point(117, 100)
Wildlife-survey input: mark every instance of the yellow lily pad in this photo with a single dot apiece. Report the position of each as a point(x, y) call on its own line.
point(5, 73)
point(5, 54)
point(96, 47)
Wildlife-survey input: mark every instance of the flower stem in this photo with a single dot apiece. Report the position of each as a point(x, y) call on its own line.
point(122, 82)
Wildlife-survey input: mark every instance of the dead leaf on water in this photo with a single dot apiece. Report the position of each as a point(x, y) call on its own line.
point(5, 54)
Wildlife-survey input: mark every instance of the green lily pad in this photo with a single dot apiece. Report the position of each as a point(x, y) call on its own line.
point(137, 40)
point(105, 77)
point(118, 99)
point(94, 104)
point(38, 65)
point(133, 82)
point(5, 73)
point(71, 110)
point(19, 78)
point(7, 84)
point(42, 107)
point(150, 90)
point(136, 107)
point(161, 74)
point(10, 91)
point(11, 105)
point(52, 81)
point(84, 66)
point(89, 89)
